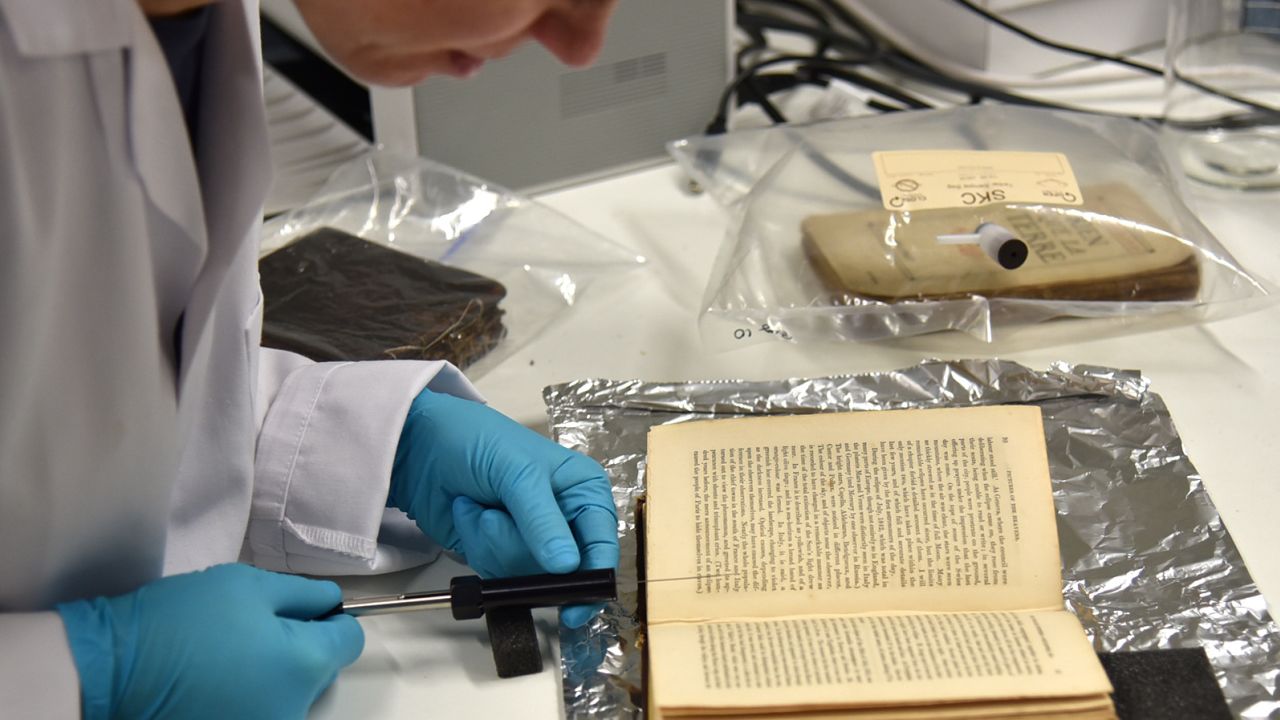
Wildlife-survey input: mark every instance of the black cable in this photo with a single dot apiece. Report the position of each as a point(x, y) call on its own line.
point(883, 107)
point(914, 69)
point(1064, 47)
point(818, 67)
point(809, 63)
point(974, 92)
point(719, 123)
point(861, 47)
point(756, 23)
point(858, 46)
point(821, 35)
point(1108, 57)
point(883, 88)
point(825, 27)
point(760, 96)
point(842, 16)
point(753, 47)
point(917, 70)
point(798, 7)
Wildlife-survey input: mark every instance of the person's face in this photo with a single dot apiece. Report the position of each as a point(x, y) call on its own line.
point(401, 42)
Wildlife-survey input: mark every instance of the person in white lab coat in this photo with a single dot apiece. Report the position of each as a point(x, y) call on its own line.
point(146, 440)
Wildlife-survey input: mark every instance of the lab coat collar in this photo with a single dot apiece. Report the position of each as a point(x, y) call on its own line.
point(221, 206)
point(235, 167)
point(133, 92)
point(158, 139)
point(46, 28)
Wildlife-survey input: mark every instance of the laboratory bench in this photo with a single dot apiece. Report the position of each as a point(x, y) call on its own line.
point(1220, 381)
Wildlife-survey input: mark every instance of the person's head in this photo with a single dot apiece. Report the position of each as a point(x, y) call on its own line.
point(401, 42)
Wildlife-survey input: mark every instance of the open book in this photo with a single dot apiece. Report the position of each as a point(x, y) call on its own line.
point(893, 564)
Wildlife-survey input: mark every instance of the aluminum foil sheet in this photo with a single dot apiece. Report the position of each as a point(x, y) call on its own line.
point(1147, 562)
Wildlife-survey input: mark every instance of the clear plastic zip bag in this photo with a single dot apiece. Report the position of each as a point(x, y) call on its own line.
point(986, 220)
point(398, 257)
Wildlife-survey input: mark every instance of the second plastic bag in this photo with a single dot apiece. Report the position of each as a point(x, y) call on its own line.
point(978, 219)
point(403, 258)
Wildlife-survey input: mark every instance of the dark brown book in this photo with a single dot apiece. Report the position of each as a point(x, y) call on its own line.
point(334, 296)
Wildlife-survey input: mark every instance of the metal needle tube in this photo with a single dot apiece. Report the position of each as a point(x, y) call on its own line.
point(408, 602)
point(470, 597)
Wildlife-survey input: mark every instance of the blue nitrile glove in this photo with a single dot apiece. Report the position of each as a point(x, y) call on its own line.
point(507, 499)
point(228, 642)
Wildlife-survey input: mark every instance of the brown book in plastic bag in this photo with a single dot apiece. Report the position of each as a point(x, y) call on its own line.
point(1112, 248)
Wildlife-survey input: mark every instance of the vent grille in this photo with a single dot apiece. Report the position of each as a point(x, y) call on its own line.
point(609, 86)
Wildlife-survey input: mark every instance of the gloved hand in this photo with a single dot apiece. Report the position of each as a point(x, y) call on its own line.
point(507, 499)
point(228, 642)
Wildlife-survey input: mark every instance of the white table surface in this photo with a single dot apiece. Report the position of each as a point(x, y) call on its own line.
point(1221, 382)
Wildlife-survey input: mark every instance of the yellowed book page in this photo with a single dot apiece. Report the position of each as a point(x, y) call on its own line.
point(976, 712)
point(947, 509)
point(845, 661)
point(651, 709)
point(1099, 707)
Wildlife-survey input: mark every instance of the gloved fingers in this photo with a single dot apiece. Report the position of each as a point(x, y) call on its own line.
point(586, 498)
point(323, 647)
point(491, 542)
point(91, 638)
point(297, 597)
point(531, 503)
point(575, 616)
point(328, 682)
point(342, 638)
point(588, 501)
point(596, 530)
point(581, 480)
point(495, 547)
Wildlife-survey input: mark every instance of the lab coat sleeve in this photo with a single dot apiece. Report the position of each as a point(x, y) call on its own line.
point(34, 655)
point(327, 439)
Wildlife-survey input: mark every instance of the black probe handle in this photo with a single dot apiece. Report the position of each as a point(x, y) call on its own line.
point(472, 596)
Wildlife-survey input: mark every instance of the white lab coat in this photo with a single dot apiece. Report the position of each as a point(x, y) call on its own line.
point(120, 462)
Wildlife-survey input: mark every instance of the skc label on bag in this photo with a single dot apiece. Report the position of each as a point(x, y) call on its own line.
point(931, 179)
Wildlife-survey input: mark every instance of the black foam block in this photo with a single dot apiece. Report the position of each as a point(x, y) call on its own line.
point(1164, 684)
point(514, 641)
